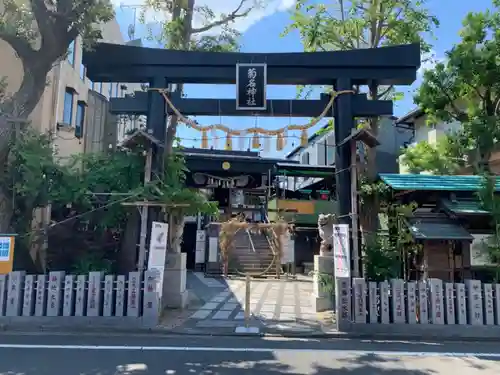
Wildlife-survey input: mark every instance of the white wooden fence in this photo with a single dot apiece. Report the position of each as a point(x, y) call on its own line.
point(92, 295)
point(423, 302)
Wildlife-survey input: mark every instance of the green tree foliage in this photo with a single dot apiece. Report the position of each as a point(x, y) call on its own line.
point(82, 219)
point(441, 158)
point(29, 176)
point(85, 195)
point(491, 202)
point(466, 89)
point(391, 250)
point(340, 25)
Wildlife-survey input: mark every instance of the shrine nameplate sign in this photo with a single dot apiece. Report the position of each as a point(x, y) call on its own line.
point(251, 85)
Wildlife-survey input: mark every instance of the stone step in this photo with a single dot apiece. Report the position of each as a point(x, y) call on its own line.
point(249, 259)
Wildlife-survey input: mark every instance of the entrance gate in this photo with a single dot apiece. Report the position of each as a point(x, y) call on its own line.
point(343, 70)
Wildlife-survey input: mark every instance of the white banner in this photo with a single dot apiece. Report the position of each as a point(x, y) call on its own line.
point(158, 245)
point(341, 250)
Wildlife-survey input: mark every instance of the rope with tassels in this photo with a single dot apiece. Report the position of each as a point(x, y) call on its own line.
point(256, 131)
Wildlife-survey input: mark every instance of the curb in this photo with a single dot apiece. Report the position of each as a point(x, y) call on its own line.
point(230, 333)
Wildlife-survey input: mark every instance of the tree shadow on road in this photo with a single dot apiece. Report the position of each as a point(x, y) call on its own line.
point(222, 362)
point(301, 363)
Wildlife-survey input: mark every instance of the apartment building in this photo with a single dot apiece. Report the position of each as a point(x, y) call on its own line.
point(67, 99)
point(320, 150)
point(416, 122)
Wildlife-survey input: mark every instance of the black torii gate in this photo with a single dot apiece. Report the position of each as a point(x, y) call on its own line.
point(341, 69)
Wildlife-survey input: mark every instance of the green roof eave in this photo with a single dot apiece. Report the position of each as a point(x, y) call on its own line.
point(464, 207)
point(422, 182)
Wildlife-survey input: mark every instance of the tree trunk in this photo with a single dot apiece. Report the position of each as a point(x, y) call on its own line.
point(177, 219)
point(177, 231)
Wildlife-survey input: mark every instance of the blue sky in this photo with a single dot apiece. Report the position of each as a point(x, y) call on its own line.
point(261, 33)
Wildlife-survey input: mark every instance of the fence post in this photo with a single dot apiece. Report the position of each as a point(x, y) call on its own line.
point(15, 293)
point(120, 296)
point(81, 295)
point(343, 298)
point(95, 294)
point(108, 305)
point(69, 295)
point(55, 293)
point(474, 302)
point(3, 294)
point(29, 296)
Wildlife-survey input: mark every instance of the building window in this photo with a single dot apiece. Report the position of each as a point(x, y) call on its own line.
point(80, 119)
point(305, 158)
point(110, 92)
point(71, 53)
point(92, 85)
point(99, 88)
point(68, 107)
point(83, 72)
point(116, 90)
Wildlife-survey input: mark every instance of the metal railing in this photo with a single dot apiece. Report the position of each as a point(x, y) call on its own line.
point(250, 239)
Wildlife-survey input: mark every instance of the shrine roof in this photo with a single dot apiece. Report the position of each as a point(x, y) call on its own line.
point(464, 206)
point(431, 226)
point(239, 161)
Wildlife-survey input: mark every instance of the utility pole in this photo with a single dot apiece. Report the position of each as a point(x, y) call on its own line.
point(354, 207)
point(144, 210)
point(131, 27)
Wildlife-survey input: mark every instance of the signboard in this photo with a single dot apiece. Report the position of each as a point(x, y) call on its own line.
point(341, 250)
point(251, 85)
point(157, 257)
point(478, 250)
point(158, 245)
point(6, 253)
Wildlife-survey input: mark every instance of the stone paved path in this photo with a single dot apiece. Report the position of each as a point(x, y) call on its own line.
point(271, 302)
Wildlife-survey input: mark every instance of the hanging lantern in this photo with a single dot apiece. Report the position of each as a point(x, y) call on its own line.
point(204, 139)
point(229, 142)
point(255, 141)
point(303, 138)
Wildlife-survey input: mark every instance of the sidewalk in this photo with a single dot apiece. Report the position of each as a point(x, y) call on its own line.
point(278, 306)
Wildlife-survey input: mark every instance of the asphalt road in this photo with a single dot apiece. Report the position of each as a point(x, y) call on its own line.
point(44, 354)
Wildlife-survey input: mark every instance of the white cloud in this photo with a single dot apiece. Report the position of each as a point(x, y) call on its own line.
point(220, 7)
point(429, 61)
